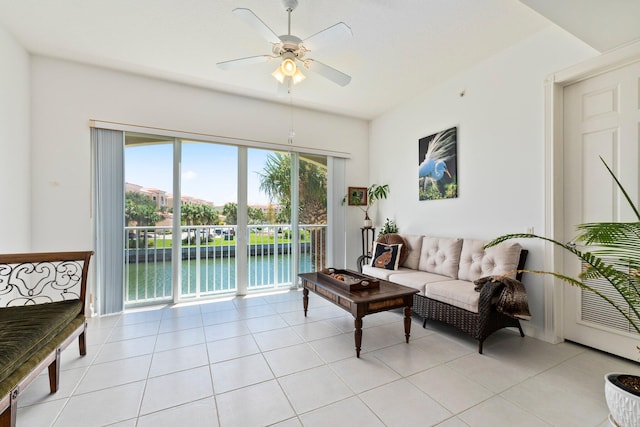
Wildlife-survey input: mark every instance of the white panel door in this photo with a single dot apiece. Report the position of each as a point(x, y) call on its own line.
point(601, 119)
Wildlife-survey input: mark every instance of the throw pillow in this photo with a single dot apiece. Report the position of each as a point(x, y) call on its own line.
point(386, 256)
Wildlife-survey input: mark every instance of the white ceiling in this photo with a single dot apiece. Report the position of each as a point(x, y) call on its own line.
point(399, 48)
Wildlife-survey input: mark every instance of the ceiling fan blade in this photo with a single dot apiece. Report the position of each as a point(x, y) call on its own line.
point(257, 24)
point(331, 35)
point(225, 65)
point(338, 77)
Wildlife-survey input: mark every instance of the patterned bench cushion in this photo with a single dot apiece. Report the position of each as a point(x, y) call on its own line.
point(26, 329)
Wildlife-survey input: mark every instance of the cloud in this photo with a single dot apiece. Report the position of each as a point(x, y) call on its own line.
point(189, 175)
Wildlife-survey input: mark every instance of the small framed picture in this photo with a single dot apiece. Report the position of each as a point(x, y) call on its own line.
point(357, 196)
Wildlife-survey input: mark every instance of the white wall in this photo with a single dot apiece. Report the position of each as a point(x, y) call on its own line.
point(67, 95)
point(500, 122)
point(15, 187)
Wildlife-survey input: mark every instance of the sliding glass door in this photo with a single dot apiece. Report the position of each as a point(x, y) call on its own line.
point(190, 216)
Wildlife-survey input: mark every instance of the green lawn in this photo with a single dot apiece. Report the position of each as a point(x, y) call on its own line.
point(254, 239)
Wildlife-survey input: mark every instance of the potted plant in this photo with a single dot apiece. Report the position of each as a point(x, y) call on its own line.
point(613, 254)
point(389, 227)
point(374, 193)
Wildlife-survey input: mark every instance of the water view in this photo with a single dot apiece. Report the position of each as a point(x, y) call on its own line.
point(152, 281)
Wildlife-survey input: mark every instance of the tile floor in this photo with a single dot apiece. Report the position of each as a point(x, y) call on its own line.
point(258, 361)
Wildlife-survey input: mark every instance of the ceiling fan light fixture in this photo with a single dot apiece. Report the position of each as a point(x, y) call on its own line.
point(298, 77)
point(278, 75)
point(288, 67)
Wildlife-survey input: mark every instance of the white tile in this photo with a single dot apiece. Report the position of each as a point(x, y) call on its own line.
point(217, 305)
point(345, 413)
point(178, 339)
point(451, 389)
point(382, 336)
point(102, 407)
point(364, 373)
point(102, 322)
point(71, 358)
point(277, 338)
point(489, 371)
point(231, 348)
point(266, 323)
point(173, 324)
point(176, 389)
point(312, 331)
point(110, 374)
point(128, 348)
point(292, 359)
point(222, 316)
point(201, 413)
point(395, 404)
point(137, 330)
point(313, 388)
point(335, 348)
point(180, 311)
point(249, 301)
point(97, 336)
point(291, 422)
point(257, 405)
point(440, 348)
point(550, 394)
point(178, 359)
point(43, 414)
point(453, 422)
point(240, 372)
point(38, 391)
point(405, 359)
point(221, 331)
point(499, 412)
point(153, 314)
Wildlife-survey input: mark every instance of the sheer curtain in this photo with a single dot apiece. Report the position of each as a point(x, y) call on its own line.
point(108, 152)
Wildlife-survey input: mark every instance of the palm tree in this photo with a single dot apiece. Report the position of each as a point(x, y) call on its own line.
point(275, 181)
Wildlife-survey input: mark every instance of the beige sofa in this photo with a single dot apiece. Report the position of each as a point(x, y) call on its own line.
point(444, 270)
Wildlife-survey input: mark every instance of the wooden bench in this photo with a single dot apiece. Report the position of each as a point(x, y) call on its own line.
point(42, 310)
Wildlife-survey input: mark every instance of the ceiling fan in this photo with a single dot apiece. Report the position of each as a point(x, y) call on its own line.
point(292, 50)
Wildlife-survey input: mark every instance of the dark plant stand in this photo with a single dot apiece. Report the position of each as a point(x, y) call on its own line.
point(368, 236)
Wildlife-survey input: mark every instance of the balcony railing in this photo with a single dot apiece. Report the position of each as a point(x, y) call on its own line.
point(208, 262)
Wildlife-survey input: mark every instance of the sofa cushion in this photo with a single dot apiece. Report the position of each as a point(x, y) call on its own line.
point(413, 243)
point(383, 273)
point(440, 255)
point(476, 262)
point(459, 293)
point(415, 279)
point(26, 329)
point(386, 256)
point(395, 239)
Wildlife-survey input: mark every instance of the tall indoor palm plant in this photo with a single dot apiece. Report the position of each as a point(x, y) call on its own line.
point(612, 253)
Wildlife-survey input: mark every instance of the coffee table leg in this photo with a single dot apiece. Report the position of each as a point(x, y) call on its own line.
point(358, 334)
point(305, 300)
point(407, 322)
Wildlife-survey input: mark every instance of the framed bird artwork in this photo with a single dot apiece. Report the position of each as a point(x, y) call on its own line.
point(437, 165)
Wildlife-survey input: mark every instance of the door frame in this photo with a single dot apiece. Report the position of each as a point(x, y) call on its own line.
point(554, 160)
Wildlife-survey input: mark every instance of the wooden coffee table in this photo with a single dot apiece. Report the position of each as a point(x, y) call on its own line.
point(361, 302)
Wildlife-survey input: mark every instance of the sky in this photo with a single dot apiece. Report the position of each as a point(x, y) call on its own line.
point(209, 171)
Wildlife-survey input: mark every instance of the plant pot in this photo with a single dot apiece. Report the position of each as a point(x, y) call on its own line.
point(623, 403)
point(367, 223)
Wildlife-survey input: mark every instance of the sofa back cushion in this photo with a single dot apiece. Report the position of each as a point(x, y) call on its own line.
point(440, 255)
point(476, 262)
point(413, 243)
